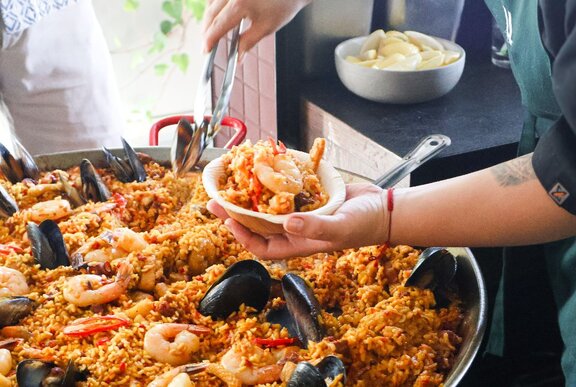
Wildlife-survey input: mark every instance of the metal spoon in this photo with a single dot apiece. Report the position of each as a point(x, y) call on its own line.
point(429, 147)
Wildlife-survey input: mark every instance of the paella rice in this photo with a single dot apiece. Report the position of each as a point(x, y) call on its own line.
point(174, 250)
point(266, 177)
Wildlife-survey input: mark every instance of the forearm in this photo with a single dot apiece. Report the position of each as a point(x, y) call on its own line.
point(500, 206)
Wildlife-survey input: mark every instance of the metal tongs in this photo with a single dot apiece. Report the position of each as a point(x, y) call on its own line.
point(190, 140)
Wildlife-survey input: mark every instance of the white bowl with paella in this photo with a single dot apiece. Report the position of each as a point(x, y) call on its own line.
point(260, 184)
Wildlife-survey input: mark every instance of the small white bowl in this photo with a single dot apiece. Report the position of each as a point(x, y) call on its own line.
point(265, 224)
point(393, 86)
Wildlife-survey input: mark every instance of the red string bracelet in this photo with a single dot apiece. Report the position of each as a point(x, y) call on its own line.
point(390, 201)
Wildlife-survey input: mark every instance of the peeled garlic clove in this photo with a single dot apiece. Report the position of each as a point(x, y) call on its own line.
point(431, 63)
point(368, 63)
point(367, 55)
point(451, 56)
point(426, 55)
point(422, 40)
point(397, 35)
point(384, 62)
point(372, 41)
point(399, 48)
point(353, 59)
point(408, 64)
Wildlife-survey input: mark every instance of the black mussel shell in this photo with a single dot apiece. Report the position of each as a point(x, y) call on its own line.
point(138, 171)
point(14, 309)
point(71, 192)
point(245, 282)
point(119, 167)
point(40, 373)
point(436, 267)
point(304, 308)
point(29, 167)
point(48, 247)
point(11, 167)
point(282, 317)
point(306, 375)
point(182, 140)
point(8, 205)
point(331, 367)
point(93, 187)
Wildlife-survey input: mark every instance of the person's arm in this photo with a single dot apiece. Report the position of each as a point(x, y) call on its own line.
point(265, 17)
point(500, 206)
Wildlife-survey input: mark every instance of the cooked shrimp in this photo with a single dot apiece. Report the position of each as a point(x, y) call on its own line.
point(181, 380)
point(166, 379)
point(50, 209)
point(92, 289)
point(278, 173)
point(111, 245)
point(316, 152)
point(12, 283)
point(177, 352)
point(241, 365)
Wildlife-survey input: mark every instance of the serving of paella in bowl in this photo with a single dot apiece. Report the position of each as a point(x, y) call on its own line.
point(112, 272)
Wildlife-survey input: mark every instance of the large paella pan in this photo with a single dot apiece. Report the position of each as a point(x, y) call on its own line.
point(153, 289)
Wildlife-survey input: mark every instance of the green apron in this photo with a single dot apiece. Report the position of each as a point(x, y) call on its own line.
point(525, 317)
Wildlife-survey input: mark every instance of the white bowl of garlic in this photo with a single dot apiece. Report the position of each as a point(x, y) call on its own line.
point(399, 67)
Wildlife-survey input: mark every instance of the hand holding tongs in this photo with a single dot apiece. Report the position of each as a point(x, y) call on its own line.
point(190, 140)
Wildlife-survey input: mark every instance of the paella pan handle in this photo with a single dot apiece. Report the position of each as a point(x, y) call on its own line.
point(234, 123)
point(429, 147)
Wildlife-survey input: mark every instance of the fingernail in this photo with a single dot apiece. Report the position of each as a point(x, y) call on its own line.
point(227, 223)
point(295, 224)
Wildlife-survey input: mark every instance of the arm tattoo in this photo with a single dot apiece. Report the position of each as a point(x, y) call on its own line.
point(514, 172)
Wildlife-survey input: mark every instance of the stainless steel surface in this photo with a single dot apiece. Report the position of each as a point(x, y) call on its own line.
point(468, 277)
point(203, 92)
point(429, 147)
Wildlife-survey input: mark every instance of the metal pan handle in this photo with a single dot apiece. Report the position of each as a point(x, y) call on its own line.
point(424, 151)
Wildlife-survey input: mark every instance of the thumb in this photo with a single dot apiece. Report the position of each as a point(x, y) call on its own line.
point(318, 227)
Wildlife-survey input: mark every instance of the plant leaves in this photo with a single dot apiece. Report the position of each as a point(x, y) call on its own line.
point(166, 26)
point(158, 44)
point(160, 69)
point(181, 60)
point(197, 9)
point(173, 9)
point(131, 5)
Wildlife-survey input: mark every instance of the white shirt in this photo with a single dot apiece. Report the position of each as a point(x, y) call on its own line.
point(17, 15)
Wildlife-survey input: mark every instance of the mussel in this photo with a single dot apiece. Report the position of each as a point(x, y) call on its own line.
point(245, 282)
point(36, 373)
point(306, 375)
point(72, 194)
point(128, 169)
point(8, 205)
point(189, 142)
point(304, 309)
point(17, 168)
point(435, 269)
point(93, 188)
point(14, 309)
point(48, 247)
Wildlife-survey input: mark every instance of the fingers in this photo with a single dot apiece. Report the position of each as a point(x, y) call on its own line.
point(319, 227)
point(221, 18)
point(216, 209)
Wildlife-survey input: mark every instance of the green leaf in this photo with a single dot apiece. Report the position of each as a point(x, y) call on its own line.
point(117, 41)
point(166, 26)
point(131, 5)
point(181, 60)
point(173, 8)
point(197, 9)
point(158, 44)
point(160, 69)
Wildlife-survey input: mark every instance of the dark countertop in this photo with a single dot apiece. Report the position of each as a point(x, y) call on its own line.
point(482, 115)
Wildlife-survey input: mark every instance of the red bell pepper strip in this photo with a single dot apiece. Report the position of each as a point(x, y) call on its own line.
point(89, 325)
point(273, 343)
point(119, 200)
point(7, 249)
